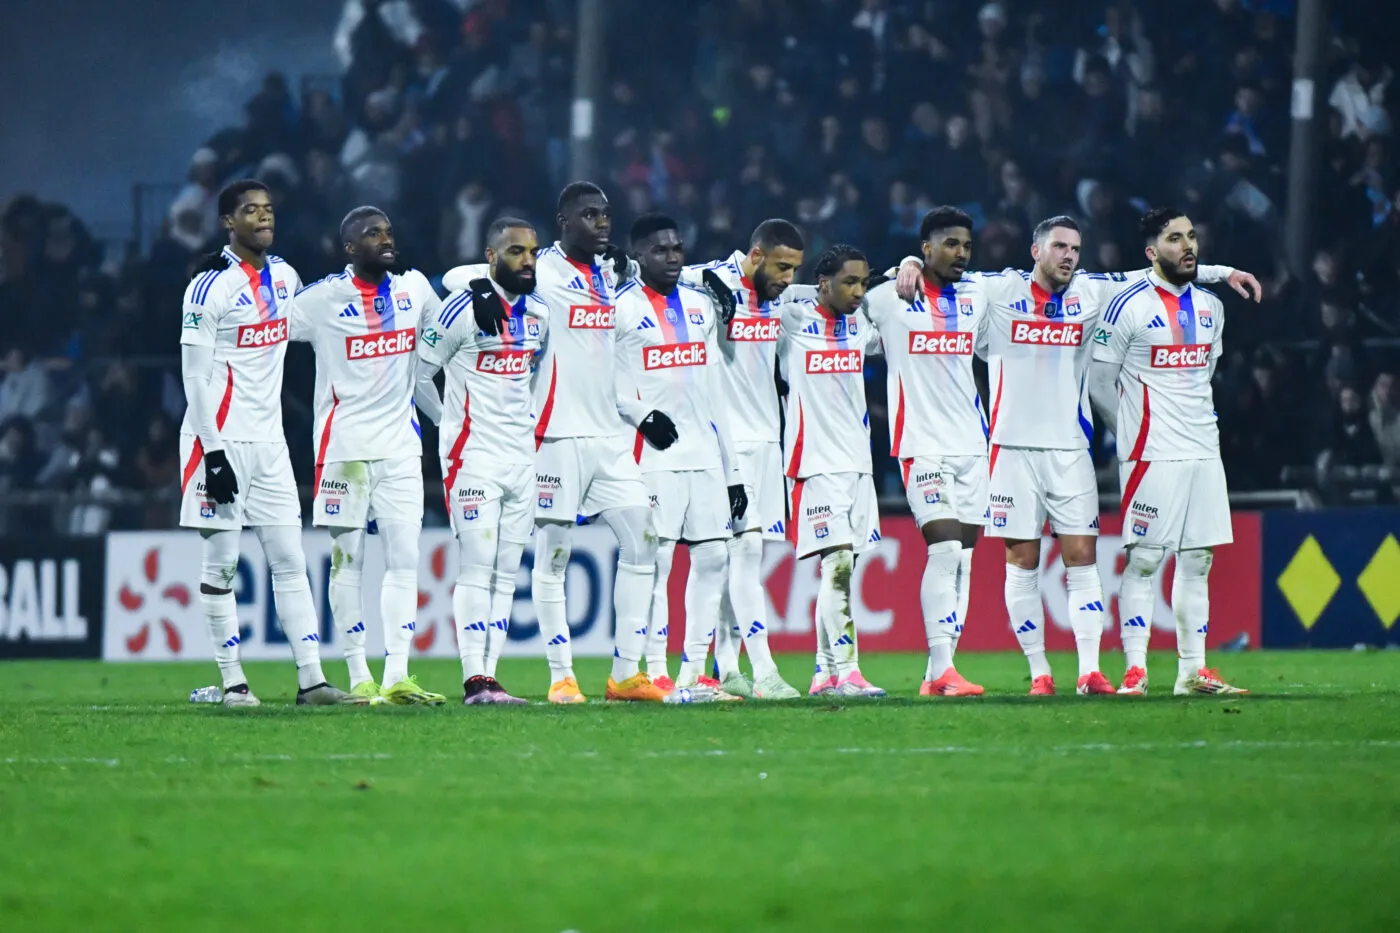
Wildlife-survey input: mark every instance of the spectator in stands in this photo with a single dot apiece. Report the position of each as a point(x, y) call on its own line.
point(27, 389)
point(20, 460)
point(1384, 418)
point(195, 209)
point(1359, 97)
point(1351, 441)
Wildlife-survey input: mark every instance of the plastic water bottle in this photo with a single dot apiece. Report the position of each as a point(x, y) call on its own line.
point(207, 695)
point(679, 695)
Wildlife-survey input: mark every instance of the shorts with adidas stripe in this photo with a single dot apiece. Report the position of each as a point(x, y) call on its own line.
point(831, 510)
point(761, 468)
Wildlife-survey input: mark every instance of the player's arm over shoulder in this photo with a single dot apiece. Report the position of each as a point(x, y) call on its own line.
point(459, 277)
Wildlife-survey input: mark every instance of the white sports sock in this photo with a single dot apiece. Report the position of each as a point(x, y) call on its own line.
point(221, 614)
point(291, 597)
point(826, 663)
point(508, 554)
point(704, 590)
point(632, 600)
point(347, 606)
point(398, 596)
point(746, 604)
point(471, 595)
point(659, 618)
point(728, 638)
point(938, 596)
point(1027, 614)
point(1191, 607)
point(552, 547)
point(964, 593)
point(1135, 602)
point(834, 610)
point(1086, 614)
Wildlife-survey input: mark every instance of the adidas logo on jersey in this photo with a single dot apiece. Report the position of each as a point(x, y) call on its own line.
point(1157, 321)
point(350, 311)
point(647, 324)
point(813, 328)
point(244, 300)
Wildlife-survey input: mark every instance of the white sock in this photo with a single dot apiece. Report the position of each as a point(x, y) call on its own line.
point(344, 596)
point(938, 596)
point(659, 618)
point(508, 554)
point(398, 608)
point(632, 603)
point(1086, 614)
point(1027, 614)
point(964, 593)
point(728, 638)
point(471, 596)
point(221, 614)
point(291, 598)
point(826, 663)
point(1136, 602)
point(552, 548)
point(746, 604)
point(834, 610)
point(1191, 607)
point(704, 590)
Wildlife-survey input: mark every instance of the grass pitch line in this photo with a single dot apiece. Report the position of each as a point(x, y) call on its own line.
point(1236, 745)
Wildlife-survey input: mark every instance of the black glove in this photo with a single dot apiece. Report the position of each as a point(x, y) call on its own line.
point(219, 480)
point(487, 307)
point(721, 295)
point(738, 504)
point(622, 266)
point(874, 279)
point(658, 429)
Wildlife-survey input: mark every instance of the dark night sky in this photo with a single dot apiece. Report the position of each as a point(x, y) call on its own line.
point(97, 95)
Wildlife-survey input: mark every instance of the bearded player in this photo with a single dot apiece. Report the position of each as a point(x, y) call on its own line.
point(487, 444)
point(363, 324)
point(1154, 357)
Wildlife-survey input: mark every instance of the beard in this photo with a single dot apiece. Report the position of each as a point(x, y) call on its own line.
point(512, 282)
point(761, 285)
point(1175, 274)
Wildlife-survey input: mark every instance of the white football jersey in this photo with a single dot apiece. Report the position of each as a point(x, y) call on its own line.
point(1167, 339)
point(488, 400)
point(822, 356)
point(240, 312)
point(575, 393)
point(747, 351)
point(669, 362)
point(364, 336)
point(1039, 350)
point(935, 410)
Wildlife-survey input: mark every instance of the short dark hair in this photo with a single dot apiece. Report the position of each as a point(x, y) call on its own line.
point(836, 256)
point(575, 190)
point(942, 218)
point(355, 216)
point(1042, 229)
point(653, 222)
point(232, 194)
point(1155, 221)
point(776, 232)
point(501, 224)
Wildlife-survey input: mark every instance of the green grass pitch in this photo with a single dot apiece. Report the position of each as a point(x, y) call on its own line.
point(124, 807)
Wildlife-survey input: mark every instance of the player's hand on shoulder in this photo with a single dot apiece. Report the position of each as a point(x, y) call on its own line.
point(906, 283)
point(1244, 283)
point(487, 307)
point(721, 296)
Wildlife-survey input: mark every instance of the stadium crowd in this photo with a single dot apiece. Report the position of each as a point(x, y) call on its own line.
point(451, 113)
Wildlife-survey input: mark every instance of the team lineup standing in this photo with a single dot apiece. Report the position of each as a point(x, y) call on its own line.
point(581, 384)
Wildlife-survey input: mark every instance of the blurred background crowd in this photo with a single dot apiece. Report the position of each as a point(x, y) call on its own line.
point(723, 112)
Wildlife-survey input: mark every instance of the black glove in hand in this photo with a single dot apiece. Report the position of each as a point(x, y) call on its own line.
point(219, 481)
point(622, 267)
point(738, 505)
point(659, 430)
point(487, 307)
point(721, 295)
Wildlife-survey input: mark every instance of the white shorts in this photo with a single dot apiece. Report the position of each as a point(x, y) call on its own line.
point(583, 476)
point(496, 495)
point(941, 488)
point(267, 490)
point(351, 492)
point(1175, 504)
point(689, 505)
point(1028, 484)
point(761, 467)
point(833, 510)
